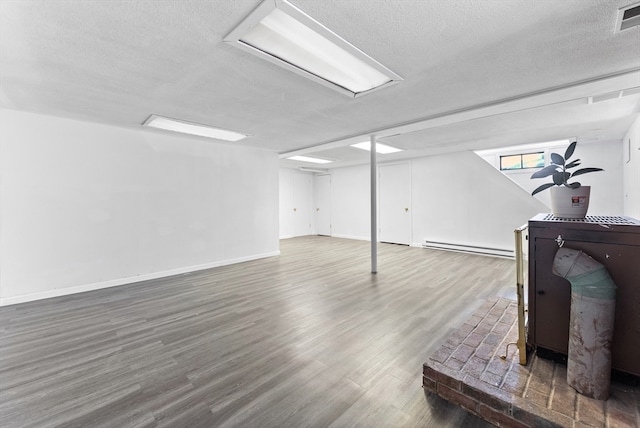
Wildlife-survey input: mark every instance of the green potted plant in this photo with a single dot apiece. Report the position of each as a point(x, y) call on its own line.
point(568, 200)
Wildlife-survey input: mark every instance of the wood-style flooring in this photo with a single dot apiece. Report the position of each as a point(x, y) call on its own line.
point(307, 339)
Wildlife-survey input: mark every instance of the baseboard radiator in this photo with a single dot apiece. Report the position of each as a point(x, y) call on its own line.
point(472, 249)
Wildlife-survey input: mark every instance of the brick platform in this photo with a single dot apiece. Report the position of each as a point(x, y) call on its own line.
point(467, 370)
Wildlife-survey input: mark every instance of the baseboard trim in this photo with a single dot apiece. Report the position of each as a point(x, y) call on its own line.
point(6, 301)
point(357, 238)
point(472, 249)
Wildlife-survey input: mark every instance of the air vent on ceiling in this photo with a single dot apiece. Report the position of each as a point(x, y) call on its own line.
point(631, 91)
point(628, 17)
point(613, 95)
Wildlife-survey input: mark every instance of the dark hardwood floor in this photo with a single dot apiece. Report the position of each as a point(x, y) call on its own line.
point(309, 338)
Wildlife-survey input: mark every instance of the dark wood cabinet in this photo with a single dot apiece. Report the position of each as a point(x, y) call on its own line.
point(612, 241)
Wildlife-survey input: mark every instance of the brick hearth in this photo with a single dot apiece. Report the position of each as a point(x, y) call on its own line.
point(467, 370)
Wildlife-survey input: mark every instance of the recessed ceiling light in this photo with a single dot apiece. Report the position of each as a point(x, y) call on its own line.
point(185, 127)
point(308, 159)
point(284, 35)
point(383, 149)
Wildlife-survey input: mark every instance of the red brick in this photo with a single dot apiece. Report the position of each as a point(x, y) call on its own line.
point(457, 398)
point(485, 351)
point(590, 410)
point(474, 339)
point(485, 307)
point(503, 303)
point(579, 424)
point(501, 328)
point(467, 328)
point(560, 375)
point(463, 353)
point(498, 366)
point(564, 397)
point(451, 344)
point(444, 379)
point(622, 419)
point(564, 401)
point(441, 355)
point(491, 378)
point(510, 316)
point(487, 395)
point(515, 381)
point(535, 416)
point(491, 320)
point(474, 320)
point(623, 398)
point(541, 375)
point(536, 398)
point(475, 367)
point(483, 328)
point(495, 313)
point(499, 418)
point(454, 364)
point(493, 339)
point(429, 384)
point(429, 372)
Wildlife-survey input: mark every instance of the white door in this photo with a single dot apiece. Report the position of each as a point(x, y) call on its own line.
point(302, 204)
point(394, 205)
point(323, 205)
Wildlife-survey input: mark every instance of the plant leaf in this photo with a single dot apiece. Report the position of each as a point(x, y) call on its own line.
point(574, 185)
point(586, 170)
point(557, 159)
point(560, 177)
point(541, 188)
point(570, 150)
point(572, 164)
point(545, 172)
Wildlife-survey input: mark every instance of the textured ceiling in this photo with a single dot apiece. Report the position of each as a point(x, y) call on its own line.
point(477, 73)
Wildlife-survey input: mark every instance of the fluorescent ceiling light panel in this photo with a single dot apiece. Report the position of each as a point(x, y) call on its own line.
point(185, 127)
point(281, 33)
point(383, 149)
point(308, 159)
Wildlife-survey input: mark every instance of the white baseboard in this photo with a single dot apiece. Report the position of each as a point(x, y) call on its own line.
point(358, 238)
point(471, 249)
point(5, 301)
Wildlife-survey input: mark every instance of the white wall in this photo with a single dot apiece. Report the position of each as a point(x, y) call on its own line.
point(351, 202)
point(85, 206)
point(460, 199)
point(631, 170)
point(456, 198)
point(606, 186)
point(349, 189)
point(286, 203)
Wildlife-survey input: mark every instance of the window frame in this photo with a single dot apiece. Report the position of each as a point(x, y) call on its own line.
point(522, 167)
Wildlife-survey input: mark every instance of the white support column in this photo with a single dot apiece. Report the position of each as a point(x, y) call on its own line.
point(374, 206)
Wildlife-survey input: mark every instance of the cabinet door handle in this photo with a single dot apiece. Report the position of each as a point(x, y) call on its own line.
point(541, 292)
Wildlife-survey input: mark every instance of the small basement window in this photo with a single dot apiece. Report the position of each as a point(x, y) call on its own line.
point(521, 161)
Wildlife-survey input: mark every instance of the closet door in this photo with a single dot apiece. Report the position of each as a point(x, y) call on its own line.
point(323, 205)
point(394, 204)
point(302, 204)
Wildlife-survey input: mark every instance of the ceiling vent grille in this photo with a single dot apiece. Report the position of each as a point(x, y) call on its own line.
point(628, 17)
point(613, 95)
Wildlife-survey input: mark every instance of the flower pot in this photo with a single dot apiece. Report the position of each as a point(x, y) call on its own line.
point(570, 203)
